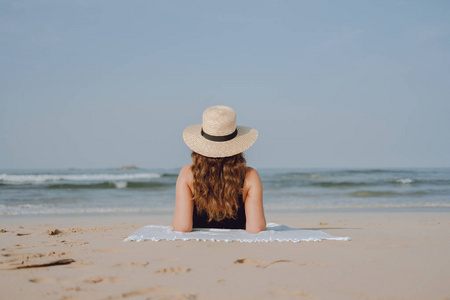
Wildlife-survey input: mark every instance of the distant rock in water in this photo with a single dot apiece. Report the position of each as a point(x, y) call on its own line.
point(130, 167)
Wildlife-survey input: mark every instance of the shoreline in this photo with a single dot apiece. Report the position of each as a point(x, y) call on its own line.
point(169, 212)
point(396, 255)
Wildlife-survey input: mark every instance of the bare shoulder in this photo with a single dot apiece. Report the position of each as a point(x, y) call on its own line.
point(185, 174)
point(186, 170)
point(252, 177)
point(251, 173)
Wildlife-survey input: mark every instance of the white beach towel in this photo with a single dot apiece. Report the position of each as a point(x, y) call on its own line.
point(273, 233)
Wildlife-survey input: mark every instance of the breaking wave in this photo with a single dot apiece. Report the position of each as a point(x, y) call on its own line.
point(46, 178)
point(111, 185)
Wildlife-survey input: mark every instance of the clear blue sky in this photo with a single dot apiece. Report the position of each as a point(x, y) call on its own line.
point(326, 83)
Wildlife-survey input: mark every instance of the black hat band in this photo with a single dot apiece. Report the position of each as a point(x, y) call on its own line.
point(220, 138)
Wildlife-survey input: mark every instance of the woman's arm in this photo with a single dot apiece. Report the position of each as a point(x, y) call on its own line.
point(254, 210)
point(184, 206)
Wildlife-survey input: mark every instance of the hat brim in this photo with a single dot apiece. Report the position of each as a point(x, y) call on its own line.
point(193, 138)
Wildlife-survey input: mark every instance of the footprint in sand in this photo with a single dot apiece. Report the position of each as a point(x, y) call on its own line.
point(154, 291)
point(262, 264)
point(98, 279)
point(27, 257)
point(133, 264)
point(44, 280)
point(75, 230)
point(158, 292)
point(22, 256)
point(174, 271)
point(22, 246)
point(249, 261)
point(259, 263)
point(90, 280)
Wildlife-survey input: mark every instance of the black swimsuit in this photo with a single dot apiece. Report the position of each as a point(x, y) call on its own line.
point(201, 221)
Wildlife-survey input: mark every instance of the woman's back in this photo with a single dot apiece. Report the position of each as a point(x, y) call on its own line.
point(250, 210)
point(201, 219)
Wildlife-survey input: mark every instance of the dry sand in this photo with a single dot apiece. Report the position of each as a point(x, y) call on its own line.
point(392, 255)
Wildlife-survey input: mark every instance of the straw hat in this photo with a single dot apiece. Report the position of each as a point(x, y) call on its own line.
point(219, 136)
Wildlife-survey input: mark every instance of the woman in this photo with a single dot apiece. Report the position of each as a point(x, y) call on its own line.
point(218, 190)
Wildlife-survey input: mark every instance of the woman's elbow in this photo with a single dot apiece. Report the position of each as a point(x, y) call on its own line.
point(255, 229)
point(182, 228)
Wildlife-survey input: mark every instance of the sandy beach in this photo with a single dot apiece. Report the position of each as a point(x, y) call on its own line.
point(392, 255)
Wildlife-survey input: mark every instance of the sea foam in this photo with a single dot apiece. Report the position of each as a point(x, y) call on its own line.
point(41, 178)
point(120, 184)
point(405, 180)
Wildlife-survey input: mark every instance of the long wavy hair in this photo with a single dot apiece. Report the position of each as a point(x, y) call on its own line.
point(218, 182)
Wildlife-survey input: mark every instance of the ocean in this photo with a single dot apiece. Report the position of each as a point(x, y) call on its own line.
point(152, 191)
